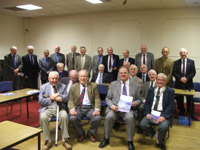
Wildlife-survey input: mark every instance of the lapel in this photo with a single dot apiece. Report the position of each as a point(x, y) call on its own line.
point(187, 65)
point(89, 90)
point(165, 95)
point(130, 88)
point(118, 89)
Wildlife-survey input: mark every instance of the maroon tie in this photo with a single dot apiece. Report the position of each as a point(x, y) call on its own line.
point(110, 63)
point(183, 69)
point(81, 97)
point(143, 58)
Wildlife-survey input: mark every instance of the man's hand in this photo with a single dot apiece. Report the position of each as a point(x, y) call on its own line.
point(96, 113)
point(184, 80)
point(53, 97)
point(114, 108)
point(16, 71)
point(133, 104)
point(161, 119)
point(58, 99)
point(148, 116)
point(115, 68)
point(26, 77)
point(73, 112)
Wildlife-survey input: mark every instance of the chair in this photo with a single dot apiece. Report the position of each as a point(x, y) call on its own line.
point(197, 89)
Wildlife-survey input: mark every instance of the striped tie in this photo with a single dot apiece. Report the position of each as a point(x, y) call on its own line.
point(81, 98)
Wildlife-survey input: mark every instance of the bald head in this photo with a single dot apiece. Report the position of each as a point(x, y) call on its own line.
point(73, 75)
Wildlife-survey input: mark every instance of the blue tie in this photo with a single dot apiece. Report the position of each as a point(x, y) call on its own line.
point(14, 60)
point(124, 92)
point(47, 63)
point(57, 58)
point(100, 78)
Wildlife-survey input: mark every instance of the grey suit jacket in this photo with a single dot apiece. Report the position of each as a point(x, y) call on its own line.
point(87, 65)
point(145, 89)
point(114, 94)
point(69, 61)
point(65, 80)
point(150, 60)
point(45, 67)
point(94, 63)
point(45, 93)
point(61, 58)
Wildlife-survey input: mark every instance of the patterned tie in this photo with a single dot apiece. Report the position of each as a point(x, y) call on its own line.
point(157, 100)
point(183, 69)
point(81, 98)
point(14, 60)
point(143, 58)
point(100, 78)
point(54, 89)
point(151, 85)
point(124, 92)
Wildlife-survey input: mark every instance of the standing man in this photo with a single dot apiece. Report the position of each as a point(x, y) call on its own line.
point(46, 65)
point(111, 62)
point(143, 74)
point(30, 69)
point(84, 101)
point(58, 57)
point(13, 67)
point(164, 65)
point(159, 99)
point(126, 59)
point(121, 87)
point(52, 94)
point(97, 60)
point(145, 58)
point(71, 57)
point(184, 72)
point(83, 61)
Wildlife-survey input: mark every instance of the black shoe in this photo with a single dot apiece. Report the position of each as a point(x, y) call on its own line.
point(104, 143)
point(131, 145)
point(194, 117)
point(139, 131)
point(162, 146)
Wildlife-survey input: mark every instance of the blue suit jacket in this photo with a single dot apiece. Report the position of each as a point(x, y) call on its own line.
point(168, 102)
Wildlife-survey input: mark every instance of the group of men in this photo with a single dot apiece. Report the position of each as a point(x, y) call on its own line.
point(136, 78)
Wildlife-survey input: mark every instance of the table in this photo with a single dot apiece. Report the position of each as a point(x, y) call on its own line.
point(19, 94)
point(186, 93)
point(12, 133)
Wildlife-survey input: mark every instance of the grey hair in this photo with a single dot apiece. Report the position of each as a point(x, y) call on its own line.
point(46, 51)
point(152, 70)
point(133, 66)
point(101, 65)
point(30, 47)
point(83, 71)
point(52, 73)
point(162, 75)
point(60, 64)
point(13, 47)
point(184, 49)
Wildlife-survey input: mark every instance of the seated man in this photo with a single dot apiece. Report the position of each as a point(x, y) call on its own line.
point(133, 75)
point(143, 73)
point(60, 69)
point(84, 101)
point(51, 94)
point(159, 99)
point(121, 87)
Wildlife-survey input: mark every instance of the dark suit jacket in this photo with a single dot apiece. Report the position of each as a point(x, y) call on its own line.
point(190, 73)
point(168, 102)
point(63, 74)
point(106, 78)
point(61, 58)
point(121, 61)
point(29, 69)
point(140, 76)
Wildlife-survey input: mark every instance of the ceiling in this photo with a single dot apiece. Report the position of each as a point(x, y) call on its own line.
point(68, 7)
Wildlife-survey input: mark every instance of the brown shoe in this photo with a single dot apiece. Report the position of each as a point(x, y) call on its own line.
point(67, 145)
point(47, 145)
point(81, 138)
point(91, 137)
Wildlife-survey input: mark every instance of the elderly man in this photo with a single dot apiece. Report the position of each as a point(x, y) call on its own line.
point(46, 65)
point(84, 101)
point(52, 94)
point(57, 56)
point(97, 60)
point(164, 65)
point(60, 69)
point(143, 74)
point(145, 58)
point(13, 67)
point(184, 72)
point(126, 59)
point(122, 87)
point(83, 61)
point(133, 75)
point(71, 57)
point(161, 100)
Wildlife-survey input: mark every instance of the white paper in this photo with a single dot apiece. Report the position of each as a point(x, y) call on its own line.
point(125, 103)
point(33, 91)
point(154, 116)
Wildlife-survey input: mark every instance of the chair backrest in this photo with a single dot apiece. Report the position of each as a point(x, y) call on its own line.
point(102, 89)
point(197, 86)
point(5, 86)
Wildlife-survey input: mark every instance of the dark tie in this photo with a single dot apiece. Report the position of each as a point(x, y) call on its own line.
point(151, 85)
point(14, 60)
point(143, 58)
point(81, 97)
point(54, 89)
point(73, 61)
point(183, 69)
point(31, 57)
point(124, 92)
point(110, 62)
point(157, 100)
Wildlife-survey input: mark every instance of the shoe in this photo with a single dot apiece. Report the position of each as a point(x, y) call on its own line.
point(66, 145)
point(139, 131)
point(194, 117)
point(81, 138)
point(104, 143)
point(162, 146)
point(91, 137)
point(47, 145)
point(131, 145)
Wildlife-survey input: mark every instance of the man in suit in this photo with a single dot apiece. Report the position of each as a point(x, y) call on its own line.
point(111, 62)
point(143, 74)
point(101, 76)
point(118, 88)
point(133, 75)
point(71, 57)
point(52, 94)
point(97, 60)
point(164, 65)
point(57, 56)
point(13, 68)
point(144, 57)
point(30, 69)
point(60, 69)
point(83, 61)
point(184, 72)
point(84, 101)
point(46, 65)
point(126, 59)
point(161, 102)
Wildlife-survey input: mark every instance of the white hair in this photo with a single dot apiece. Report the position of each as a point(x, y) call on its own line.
point(30, 47)
point(52, 73)
point(13, 47)
point(162, 75)
point(184, 49)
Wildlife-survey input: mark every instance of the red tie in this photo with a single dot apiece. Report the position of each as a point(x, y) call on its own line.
point(143, 58)
point(183, 69)
point(110, 63)
point(81, 97)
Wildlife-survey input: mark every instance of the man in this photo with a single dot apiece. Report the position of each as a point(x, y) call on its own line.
point(30, 69)
point(46, 65)
point(159, 99)
point(57, 56)
point(52, 94)
point(118, 88)
point(184, 72)
point(143, 73)
point(126, 59)
point(71, 57)
point(164, 65)
point(144, 57)
point(97, 60)
point(60, 69)
point(101, 76)
point(111, 62)
point(84, 101)
point(13, 67)
point(133, 75)
point(83, 61)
